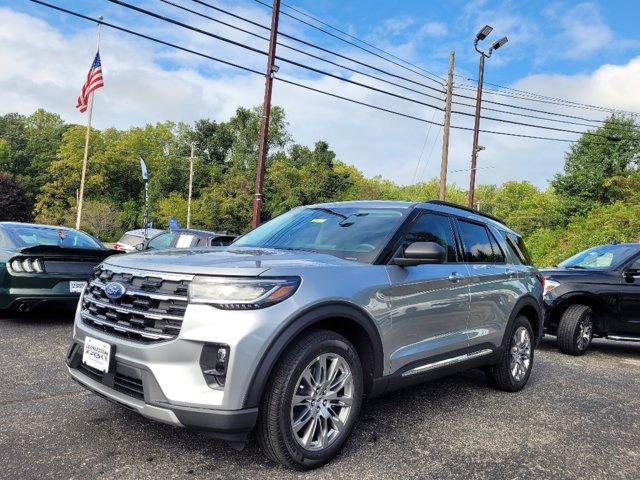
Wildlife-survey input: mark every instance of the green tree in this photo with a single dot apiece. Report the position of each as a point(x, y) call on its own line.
point(613, 150)
point(14, 202)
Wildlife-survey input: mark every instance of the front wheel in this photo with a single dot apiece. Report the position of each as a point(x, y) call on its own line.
point(312, 401)
point(512, 371)
point(575, 330)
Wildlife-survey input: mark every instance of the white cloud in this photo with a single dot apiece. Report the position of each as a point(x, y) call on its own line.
point(433, 29)
point(141, 87)
point(584, 31)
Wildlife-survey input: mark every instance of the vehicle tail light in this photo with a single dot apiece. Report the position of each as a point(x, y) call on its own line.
point(26, 265)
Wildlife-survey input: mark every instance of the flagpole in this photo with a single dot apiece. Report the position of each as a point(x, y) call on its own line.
point(86, 142)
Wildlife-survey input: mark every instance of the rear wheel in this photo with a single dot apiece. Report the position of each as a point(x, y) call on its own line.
point(312, 401)
point(575, 330)
point(512, 371)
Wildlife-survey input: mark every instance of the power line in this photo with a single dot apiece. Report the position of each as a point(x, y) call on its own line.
point(430, 75)
point(283, 59)
point(297, 50)
point(440, 79)
point(317, 47)
point(523, 94)
point(329, 74)
point(291, 82)
point(549, 100)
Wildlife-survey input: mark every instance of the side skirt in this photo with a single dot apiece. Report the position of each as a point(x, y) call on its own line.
point(438, 367)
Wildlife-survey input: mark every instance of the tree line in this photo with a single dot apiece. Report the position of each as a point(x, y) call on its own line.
point(596, 199)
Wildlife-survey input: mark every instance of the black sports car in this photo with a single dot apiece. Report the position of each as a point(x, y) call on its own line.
point(594, 293)
point(41, 263)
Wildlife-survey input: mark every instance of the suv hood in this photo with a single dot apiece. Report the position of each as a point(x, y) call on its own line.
point(234, 261)
point(573, 273)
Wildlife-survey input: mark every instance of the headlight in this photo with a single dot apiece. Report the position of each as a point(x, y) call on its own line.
point(549, 286)
point(241, 293)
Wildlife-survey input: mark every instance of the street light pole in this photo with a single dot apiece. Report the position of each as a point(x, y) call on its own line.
point(193, 147)
point(476, 133)
point(481, 35)
point(266, 112)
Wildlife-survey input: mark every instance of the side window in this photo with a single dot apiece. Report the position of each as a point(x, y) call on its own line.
point(477, 243)
point(516, 243)
point(498, 254)
point(636, 264)
point(430, 227)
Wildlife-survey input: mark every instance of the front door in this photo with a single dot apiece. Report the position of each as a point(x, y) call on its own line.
point(430, 303)
point(630, 300)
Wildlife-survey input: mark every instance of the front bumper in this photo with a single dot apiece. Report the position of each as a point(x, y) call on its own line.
point(137, 389)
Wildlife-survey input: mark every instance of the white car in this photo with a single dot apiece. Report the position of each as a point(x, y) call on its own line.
point(132, 238)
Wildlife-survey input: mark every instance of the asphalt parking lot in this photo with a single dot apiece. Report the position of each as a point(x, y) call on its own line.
point(577, 418)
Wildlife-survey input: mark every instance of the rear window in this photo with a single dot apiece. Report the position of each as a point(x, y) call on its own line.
point(519, 249)
point(131, 240)
point(31, 236)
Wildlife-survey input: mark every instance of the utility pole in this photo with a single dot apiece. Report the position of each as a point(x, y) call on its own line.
point(193, 147)
point(266, 113)
point(476, 132)
point(445, 132)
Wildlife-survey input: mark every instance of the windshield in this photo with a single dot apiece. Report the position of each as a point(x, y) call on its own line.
point(30, 236)
point(357, 234)
point(603, 256)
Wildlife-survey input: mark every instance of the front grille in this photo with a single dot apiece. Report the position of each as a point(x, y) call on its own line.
point(151, 310)
point(121, 383)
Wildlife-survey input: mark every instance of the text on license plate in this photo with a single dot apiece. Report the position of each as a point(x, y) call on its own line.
point(76, 287)
point(96, 354)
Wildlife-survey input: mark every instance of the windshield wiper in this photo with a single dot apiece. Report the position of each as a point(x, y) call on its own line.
point(579, 267)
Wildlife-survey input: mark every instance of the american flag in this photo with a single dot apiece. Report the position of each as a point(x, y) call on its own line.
point(94, 82)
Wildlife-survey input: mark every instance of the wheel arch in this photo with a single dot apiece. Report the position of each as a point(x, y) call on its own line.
point(529, 307)
point(580, 298)
point(346, 319)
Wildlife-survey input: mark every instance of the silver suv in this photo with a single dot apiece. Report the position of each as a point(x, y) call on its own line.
point(289, 328)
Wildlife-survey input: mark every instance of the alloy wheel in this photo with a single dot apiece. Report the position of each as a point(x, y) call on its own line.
point(321, 402)
point(520, 353)
point(585, 329)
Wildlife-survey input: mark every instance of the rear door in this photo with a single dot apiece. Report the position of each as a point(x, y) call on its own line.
point(430, 303)
point(494, 285)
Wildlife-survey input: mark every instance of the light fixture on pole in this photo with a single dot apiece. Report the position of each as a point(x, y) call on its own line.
point(481, 35)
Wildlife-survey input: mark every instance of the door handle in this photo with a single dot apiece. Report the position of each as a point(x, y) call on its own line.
point(455, 277)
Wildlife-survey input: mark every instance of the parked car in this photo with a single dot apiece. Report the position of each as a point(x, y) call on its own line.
point(45, 264)
point(186, 238)
point(131, 239)
point(594, 293)
point(288, 329)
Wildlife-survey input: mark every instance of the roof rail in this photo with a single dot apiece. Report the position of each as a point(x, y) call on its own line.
point(466, 209)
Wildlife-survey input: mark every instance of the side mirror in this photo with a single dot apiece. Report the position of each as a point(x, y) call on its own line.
point(421, 253)
point(630, 274)
point(141, 246)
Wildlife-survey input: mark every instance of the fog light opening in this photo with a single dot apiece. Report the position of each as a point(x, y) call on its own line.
point(213, 362)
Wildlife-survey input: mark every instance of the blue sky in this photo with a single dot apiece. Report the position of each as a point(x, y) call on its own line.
point(583, 51)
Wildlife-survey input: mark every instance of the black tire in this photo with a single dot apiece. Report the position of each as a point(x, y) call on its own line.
point(500, 375)
point(274, 430)
point(574, 320)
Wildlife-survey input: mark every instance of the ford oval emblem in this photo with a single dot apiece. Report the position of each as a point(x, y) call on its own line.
point(114, 290)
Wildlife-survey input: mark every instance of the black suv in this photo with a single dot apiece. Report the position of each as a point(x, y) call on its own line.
point(594, 293)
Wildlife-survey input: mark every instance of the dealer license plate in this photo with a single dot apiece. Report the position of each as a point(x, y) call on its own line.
point(76, 287)
point(97, 354)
